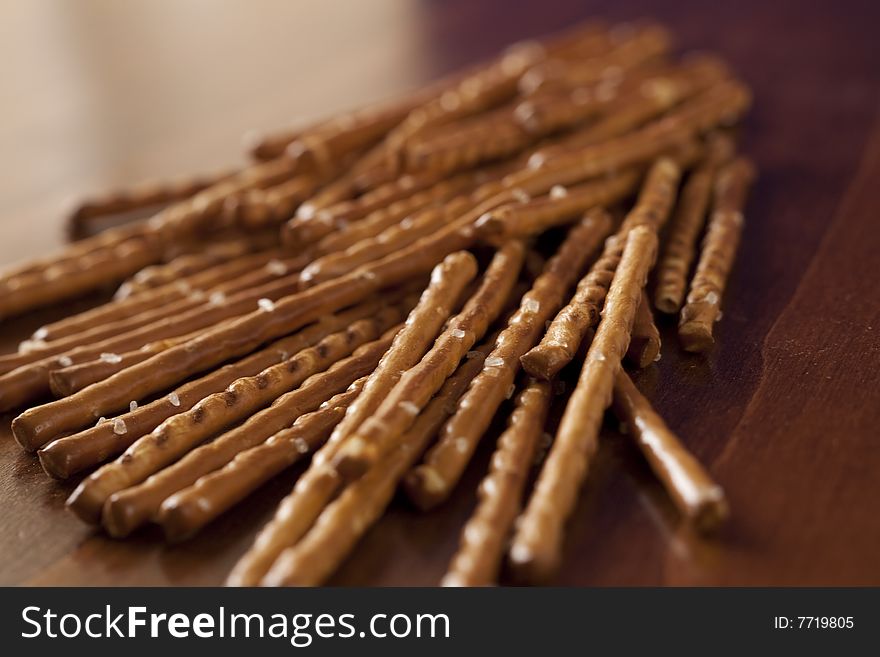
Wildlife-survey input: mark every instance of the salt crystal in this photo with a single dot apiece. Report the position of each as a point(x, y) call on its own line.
point(712, 298)
point(409, 407)
point(536, 161)
point(657, 357)
point(266, 304)
point(276, 268)
point(101, 420)
point(111, 358)
point(174, 399)
point(204, 504)
point(65, 361)
point(41, 334)
point(558, 191)
point(406, 223)
point(197, 295)
point(521, 195)
point(132, 406)
point(531, 305)
point(458, 333)
point(368, 275)
point(494, 361)
point(301, 446)
point(720, 315)
point(600, 357)
point(217, 298)
point(461, 445)
point(510, 390)
point(119, 427)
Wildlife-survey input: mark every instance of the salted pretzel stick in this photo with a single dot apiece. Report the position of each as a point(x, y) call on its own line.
point(699, 499)
point(143, 195)
point(32, 381)
point(679, 251)
point(71, 454)
point(484, 537)
point(702, 309)
point(226, 481)
point(286, 528)
point(180, 433)
point(448, 281)
point(67, 380)
point(128, 509)
point(37, 426)
point(563, 205)
point(392, 239)
point(723, 102)
point(536, 548)
point(321, 481)
point(67, 280)
point(644, 344)
point(650, 42)
point(433, 480)
point(565, 334)
point(381, 433)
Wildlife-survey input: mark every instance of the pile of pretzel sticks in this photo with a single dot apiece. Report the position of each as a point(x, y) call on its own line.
point(370, 291)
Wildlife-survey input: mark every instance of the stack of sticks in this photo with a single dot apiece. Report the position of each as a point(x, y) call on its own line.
point(370, 292)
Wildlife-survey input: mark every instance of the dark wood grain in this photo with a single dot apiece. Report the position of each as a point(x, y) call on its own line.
point(785, 411)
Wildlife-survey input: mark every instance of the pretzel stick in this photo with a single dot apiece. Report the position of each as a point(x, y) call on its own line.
point(484, 537)
point(644, 344)
point(535, 552)
point(719, 250)
point(140, 196)
point(71, 454)
point(562, 206)
point(392, 239)
point(180, 433)
point(722, 103)
point(448, 281)
point(678, 254)
point(647, 44)
point(68, 280)
point(697, 497)
point(68, 380)
point(127, 509)
point(381, 433)
point(430, 483)
point(565, 334)
point(227, 481)
point(32, 381)
point(287, 527)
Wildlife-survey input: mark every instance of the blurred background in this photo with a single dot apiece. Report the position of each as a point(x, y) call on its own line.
point(98, 93)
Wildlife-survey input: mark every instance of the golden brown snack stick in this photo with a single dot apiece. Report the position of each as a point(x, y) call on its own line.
point(34, 427)
point(287, 527)
point(381, 433)
point(433, 480)
point(128, 509)
point(259, 208)
point(699, 499)
point(679, 250)
point(536, 548)
point(648, 43)
point(644, 344)
point(226, 481)
point(67, 380)
point(32, 381)
point(71, 454)
point(188, 264)
point(563, 205)
point(67, 280)
point(153, 451)
point(321, 481)
point(716, 258)
point(722, 103)
point(423, 223)
point(144, 195)
point(484, 537)
point(565, 334)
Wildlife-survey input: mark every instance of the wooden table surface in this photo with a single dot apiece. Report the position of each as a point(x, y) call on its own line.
point(785, 411)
